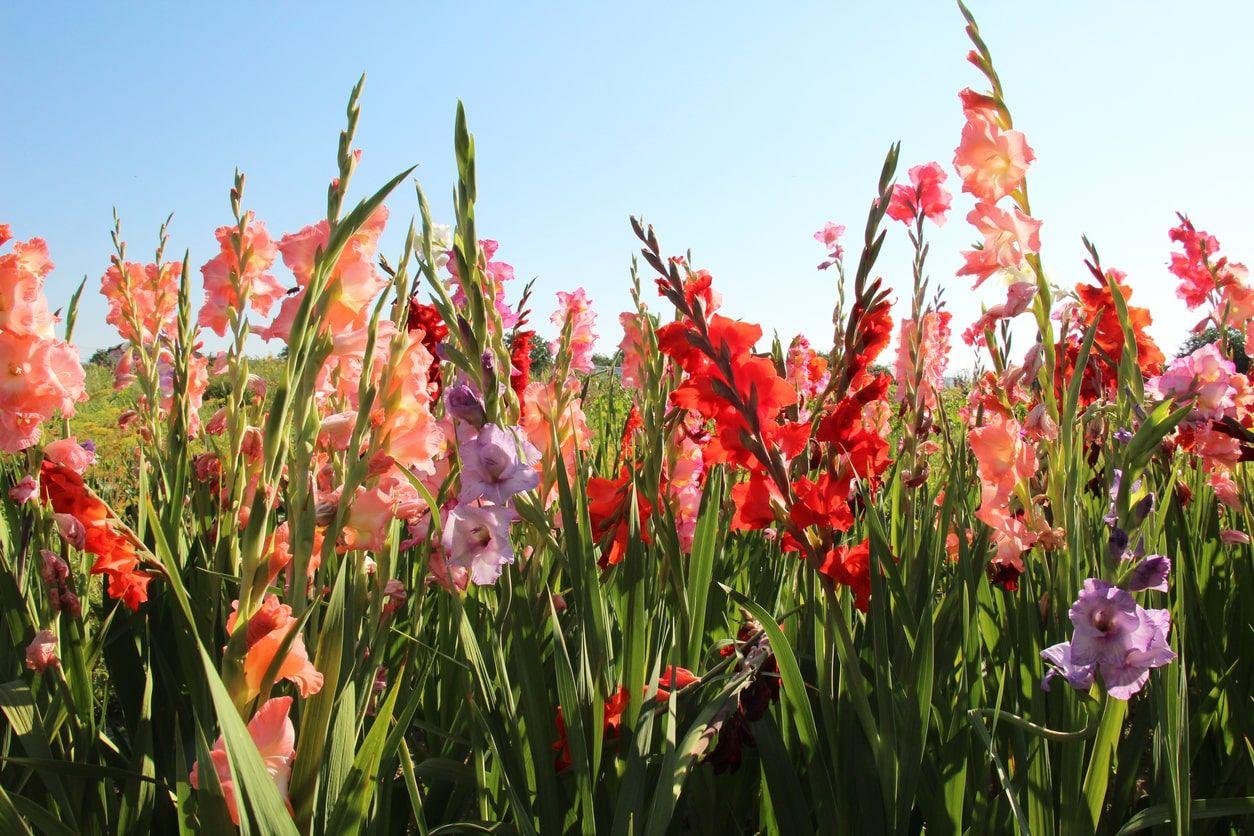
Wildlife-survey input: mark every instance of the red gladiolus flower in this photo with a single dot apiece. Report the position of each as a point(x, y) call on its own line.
point(520, 361)
point(607, 509)
point(851, 566)
point(116, 554)
point(674, 678)
point(1098, 305)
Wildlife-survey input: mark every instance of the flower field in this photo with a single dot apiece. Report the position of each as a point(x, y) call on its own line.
point(398, 578)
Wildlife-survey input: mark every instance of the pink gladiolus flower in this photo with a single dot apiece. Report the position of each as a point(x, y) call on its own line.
point(1018, 296)
point(1008, 237)
point(805, 369)
point(1002, 458)
point(23, 490)
point(226, 285)
point(68, 453)
point(924, 196)
point(41, 653)
point(1191, 266)
point(1205, 373)
point(925, 370)
point(477, 539)
point(991, 162)
point(632, 347)
point(71, 529)
point(275, 737)
point(684, 489)
point(829, 237)
point(1234, 538)
point(574, 316)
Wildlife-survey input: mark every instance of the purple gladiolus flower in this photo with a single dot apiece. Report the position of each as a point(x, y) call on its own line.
point(496, 464)
point(1150, 573)
point(464, 403)
point(1114, 636)
point(476, 538)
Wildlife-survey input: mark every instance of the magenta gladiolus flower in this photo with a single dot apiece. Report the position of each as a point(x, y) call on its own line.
point(1114, 636)
point(476, 538)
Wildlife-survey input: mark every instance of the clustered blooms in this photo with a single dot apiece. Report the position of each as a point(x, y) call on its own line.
point(922, 356)
point(574, 312)
point(992, 160)
point(232, 282)
point(1006, 463)
point(89, 525)
point(40, 375)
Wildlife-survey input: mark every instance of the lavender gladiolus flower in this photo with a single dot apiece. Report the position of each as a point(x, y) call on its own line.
point(463, 402)
point(476, 538)
point(492, 468)
point(1114, 636)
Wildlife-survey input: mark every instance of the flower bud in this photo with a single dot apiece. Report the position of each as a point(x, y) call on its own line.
point(463, 402)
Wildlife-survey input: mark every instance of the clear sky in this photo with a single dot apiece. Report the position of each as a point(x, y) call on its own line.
point(736, 128)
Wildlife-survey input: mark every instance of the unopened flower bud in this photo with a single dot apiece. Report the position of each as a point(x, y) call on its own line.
point(464, 403)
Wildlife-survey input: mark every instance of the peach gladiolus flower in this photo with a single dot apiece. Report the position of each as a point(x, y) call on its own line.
point(143, 299)
point(540, 406)
point(1009, 235)
point(354, 280)
point(275, 737)
point(574, 311)
point(39, 374)
point(1002, 457)
point(991, 162)
point(264, 635)
point(256, 285)
point(23, 307)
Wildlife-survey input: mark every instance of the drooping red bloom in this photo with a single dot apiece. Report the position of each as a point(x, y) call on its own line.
point(608, 511)
point(116, 555)
point(754, 501)
point(520, 362)
point(851, 566)
point(427, 319)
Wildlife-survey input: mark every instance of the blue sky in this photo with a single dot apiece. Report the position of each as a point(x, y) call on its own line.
point(736, 129)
